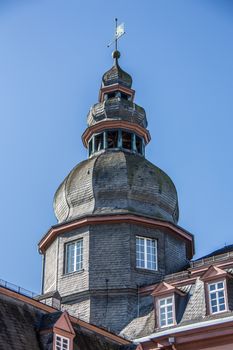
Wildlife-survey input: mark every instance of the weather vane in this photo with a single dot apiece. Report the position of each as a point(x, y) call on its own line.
point(119, 31)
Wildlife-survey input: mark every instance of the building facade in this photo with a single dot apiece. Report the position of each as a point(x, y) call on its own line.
point(117, 268)
point(117, 215)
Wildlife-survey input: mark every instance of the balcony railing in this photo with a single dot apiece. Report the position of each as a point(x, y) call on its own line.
point(17, 289)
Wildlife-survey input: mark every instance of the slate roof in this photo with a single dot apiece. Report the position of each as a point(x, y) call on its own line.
point(142, 189)
point(21, 324)
point(116, 75)
point(190, 309)
point(223, 250)
point(17, 325)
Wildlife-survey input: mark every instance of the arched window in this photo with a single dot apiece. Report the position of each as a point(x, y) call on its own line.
point(90, 147)
point(112, 139)
point(99, 142)
point(139, 144)
point(126, 140)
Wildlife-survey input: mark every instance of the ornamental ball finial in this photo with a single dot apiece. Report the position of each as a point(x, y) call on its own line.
point(116, 54)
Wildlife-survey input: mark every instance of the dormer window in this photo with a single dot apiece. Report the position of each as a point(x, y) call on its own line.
point(63, 333)
point(166, 300)
point(215, 281)
point(61, 343)
point(217, 297)
point(166, 312)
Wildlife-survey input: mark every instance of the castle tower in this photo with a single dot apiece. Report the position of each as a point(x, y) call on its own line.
point(117, 215)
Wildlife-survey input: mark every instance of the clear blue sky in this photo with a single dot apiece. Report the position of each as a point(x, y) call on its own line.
point(53, 55)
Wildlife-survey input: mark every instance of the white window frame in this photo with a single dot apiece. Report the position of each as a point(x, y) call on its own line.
point(67, 263)
point(166, 306)
point(145, 259)
point(216, 291)
point(62, 340)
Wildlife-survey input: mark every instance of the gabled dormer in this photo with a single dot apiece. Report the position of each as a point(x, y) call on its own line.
point(166, 300)
point(216, 283)
point(56, 331)
point(63, 333)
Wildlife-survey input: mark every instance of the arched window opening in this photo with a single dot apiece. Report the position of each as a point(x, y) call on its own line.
point(139, 144)
point(99, 142)
point(112, 139)
point(111, 94)
point(124, 96)
point(90, 147)
point(126, 140)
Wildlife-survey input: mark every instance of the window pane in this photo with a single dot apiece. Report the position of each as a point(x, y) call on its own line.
point(212, 287)
point(221, 301)
point(220, 285)
point(79, 255)
point(213, 295)
point(70, 257)
point(166, 311)
point(74, 256)
point(213, 302)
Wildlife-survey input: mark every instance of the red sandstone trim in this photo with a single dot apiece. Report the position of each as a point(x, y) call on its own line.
point(163, 289)
point(115, 219)
point(73, 319)
point(115, 87)
point(192, 339)
point(115, 124)
point(148, 289)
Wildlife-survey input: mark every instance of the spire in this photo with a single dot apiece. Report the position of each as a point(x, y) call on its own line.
point(116, 75)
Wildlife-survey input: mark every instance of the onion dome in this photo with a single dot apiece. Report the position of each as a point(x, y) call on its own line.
point(116, 75)
point(116, 182)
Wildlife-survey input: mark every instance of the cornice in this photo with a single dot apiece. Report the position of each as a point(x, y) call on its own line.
point(51, 235)
point(115, 124)
point(115, 87)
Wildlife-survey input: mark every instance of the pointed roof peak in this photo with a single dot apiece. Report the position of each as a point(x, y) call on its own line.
point(116, 75)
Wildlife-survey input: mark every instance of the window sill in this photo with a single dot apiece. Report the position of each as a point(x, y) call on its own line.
point(143, 270)
point(64, 275)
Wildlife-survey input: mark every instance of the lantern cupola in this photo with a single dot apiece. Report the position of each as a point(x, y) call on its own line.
point(116, 122)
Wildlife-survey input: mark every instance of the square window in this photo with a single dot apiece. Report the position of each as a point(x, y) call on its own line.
point(74, 256)
point(146, 253)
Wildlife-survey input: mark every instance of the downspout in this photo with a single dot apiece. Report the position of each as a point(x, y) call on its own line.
point(42, 275)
